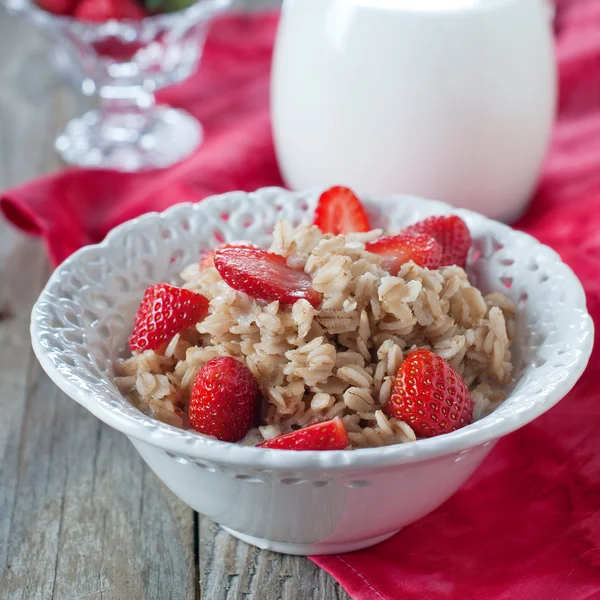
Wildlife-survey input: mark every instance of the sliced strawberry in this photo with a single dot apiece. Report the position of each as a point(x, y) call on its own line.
point(165, 311)
point(451, 232)
point(340, 211)
point(208, 260)
point(57, 7)
point(264, 275)
point(223, 399)
point(430, 395)
point(399, 249)
point(328, 435)
point(100, 11)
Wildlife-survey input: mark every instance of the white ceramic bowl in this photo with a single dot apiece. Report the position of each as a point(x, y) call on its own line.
point(302, 502)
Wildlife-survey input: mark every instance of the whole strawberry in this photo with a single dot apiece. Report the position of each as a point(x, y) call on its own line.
point(223, 400)
point(430, 395)
point(99, 11)
point(327, 435)
point(451, 233)
point(165, 310)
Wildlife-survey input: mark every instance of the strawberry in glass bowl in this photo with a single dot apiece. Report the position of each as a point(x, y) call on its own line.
point(122, 51)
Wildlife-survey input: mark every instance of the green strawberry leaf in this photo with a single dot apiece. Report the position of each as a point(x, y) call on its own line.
point(174, 5)
point(153, 5)
point(162, 6)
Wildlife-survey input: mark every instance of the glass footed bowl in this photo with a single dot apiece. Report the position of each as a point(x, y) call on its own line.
point(124, 63)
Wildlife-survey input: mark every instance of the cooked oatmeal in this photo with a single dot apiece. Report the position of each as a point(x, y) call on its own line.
point(339, 359)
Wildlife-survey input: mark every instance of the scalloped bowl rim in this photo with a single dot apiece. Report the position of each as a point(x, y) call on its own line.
point(198, 446)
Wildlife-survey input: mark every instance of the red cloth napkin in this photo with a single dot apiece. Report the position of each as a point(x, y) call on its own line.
point(527, 525)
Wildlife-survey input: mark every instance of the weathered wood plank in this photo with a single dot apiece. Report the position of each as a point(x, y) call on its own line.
point(80, 514)
point(90, 518)
point(16, 295)
point(22, 270)
point(233, 570)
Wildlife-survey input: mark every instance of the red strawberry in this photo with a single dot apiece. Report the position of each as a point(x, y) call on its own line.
point(340, 211)
point(327, 435)
point(430, 395)
point(208, 260)
point(130, 9)
point(451, 232)
point(99, 11)
point(398, 249)
point(223, 399)
point(57, 7)
point(264, 275)
point(165, 310)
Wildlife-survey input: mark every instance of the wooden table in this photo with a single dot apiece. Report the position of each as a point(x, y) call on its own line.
point(81, 515)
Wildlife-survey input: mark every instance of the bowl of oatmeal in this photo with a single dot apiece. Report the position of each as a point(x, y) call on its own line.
point(312, 370)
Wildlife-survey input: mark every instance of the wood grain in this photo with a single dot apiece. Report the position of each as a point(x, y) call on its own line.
point(81, 515)
point(17, 292)
point(233, 570)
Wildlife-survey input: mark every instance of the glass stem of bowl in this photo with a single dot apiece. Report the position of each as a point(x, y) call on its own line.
point(125, 112)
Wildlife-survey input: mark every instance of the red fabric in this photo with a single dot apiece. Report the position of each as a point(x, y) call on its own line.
point(527, 525)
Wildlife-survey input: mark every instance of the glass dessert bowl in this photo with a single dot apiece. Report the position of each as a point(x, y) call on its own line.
point(123, 63)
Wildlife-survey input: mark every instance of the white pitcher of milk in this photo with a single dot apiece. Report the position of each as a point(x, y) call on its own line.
point(446, 99)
